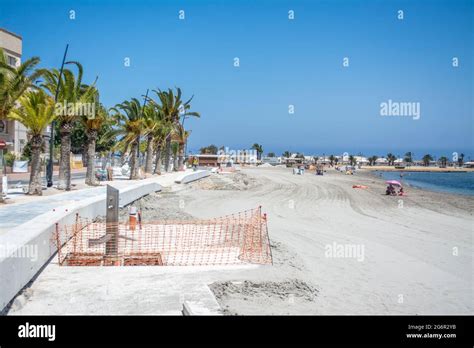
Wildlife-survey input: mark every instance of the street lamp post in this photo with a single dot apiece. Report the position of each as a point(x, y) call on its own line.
point(138, 147)
point(186, 143)
point(49, 169)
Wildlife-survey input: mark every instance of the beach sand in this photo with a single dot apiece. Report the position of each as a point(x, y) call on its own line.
point(413, 254)
point(417, 249)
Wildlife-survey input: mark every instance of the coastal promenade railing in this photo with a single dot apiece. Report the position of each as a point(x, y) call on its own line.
point(240, 238)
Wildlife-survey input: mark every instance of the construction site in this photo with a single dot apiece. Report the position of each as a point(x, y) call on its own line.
point(240, 238)
point(253, 242)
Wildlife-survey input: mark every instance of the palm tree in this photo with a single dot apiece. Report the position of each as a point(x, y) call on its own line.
point(352, 160)
point(372, 160)
point(173, 108)
point(259, 149)
point(331, 160)
point(209, 150)
point(35, 112)
point(460, 160)
point(286, 154)
point(159, 136)
point(92, 126)
point(408, 157)
point(180, 136)
point(391, 159)
point(151, 122)
point(158, 127)
point(174, 152)
point(427, 159)
point(443, 161)
point(14, 81)
point(71, 92)
point(129, 127)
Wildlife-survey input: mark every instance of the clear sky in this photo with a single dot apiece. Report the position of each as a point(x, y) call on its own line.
point(282, 62)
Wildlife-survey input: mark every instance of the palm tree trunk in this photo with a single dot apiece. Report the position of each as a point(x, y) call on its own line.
point(91, 140)
point(35, 187)
point(133, 161)
point(65, 157)
point(149, 155)
point(167, 152)
point(181, 157)
point(85, 158)
point(175, 161)
point(158, 161)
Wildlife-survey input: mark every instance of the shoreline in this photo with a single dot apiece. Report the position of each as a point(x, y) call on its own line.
point(421, 189)
point(418, 169)
point(436, 200)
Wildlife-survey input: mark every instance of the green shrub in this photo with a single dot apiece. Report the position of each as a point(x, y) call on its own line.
point(26, 153)
point(9, 157)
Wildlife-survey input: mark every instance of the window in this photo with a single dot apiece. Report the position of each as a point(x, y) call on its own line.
point(3, 126)
point(11, 61)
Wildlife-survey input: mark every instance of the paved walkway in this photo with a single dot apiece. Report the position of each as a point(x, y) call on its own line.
point(19, 213)
point(14, 177)
point(137, 290)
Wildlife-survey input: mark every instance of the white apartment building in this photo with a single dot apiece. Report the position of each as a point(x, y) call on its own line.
point(12, 132)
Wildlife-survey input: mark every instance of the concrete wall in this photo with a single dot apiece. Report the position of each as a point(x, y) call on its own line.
point(189, 177)
point(15, 132)
point(36, 234)
point(11, 43)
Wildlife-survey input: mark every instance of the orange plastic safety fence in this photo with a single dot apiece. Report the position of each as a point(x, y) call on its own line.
point(233, 239)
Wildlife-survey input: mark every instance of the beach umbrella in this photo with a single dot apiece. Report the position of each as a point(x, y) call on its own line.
point(394, 182)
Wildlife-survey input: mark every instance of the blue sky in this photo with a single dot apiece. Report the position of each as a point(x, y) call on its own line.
point(282, 62)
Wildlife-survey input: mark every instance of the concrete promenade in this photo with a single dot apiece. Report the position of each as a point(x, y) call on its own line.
point(31, 225)
point(12, 215)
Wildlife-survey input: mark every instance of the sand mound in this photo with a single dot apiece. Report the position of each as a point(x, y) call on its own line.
point(242, 297)
point(232, 181)
point(156, 206)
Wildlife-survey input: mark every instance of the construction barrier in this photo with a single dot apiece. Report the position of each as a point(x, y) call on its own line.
point(239, 238)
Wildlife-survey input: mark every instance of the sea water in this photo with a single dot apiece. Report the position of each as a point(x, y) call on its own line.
point(459, 183)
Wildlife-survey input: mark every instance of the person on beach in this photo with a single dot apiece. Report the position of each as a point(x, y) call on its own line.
point(390, 190)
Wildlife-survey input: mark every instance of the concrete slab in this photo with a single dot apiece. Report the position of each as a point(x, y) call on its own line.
point(190, 176)
point(134, 290)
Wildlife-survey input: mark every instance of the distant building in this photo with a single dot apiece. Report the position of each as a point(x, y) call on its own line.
point(271, 160)
point(324, 160)
point(361, 160)
point(381, 161)
point(294, 160)
point(205, 160)
point(12, 132)
point(469, 164)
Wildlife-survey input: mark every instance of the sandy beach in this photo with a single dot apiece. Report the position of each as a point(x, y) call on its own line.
point(417, 249)
point(410, 255)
